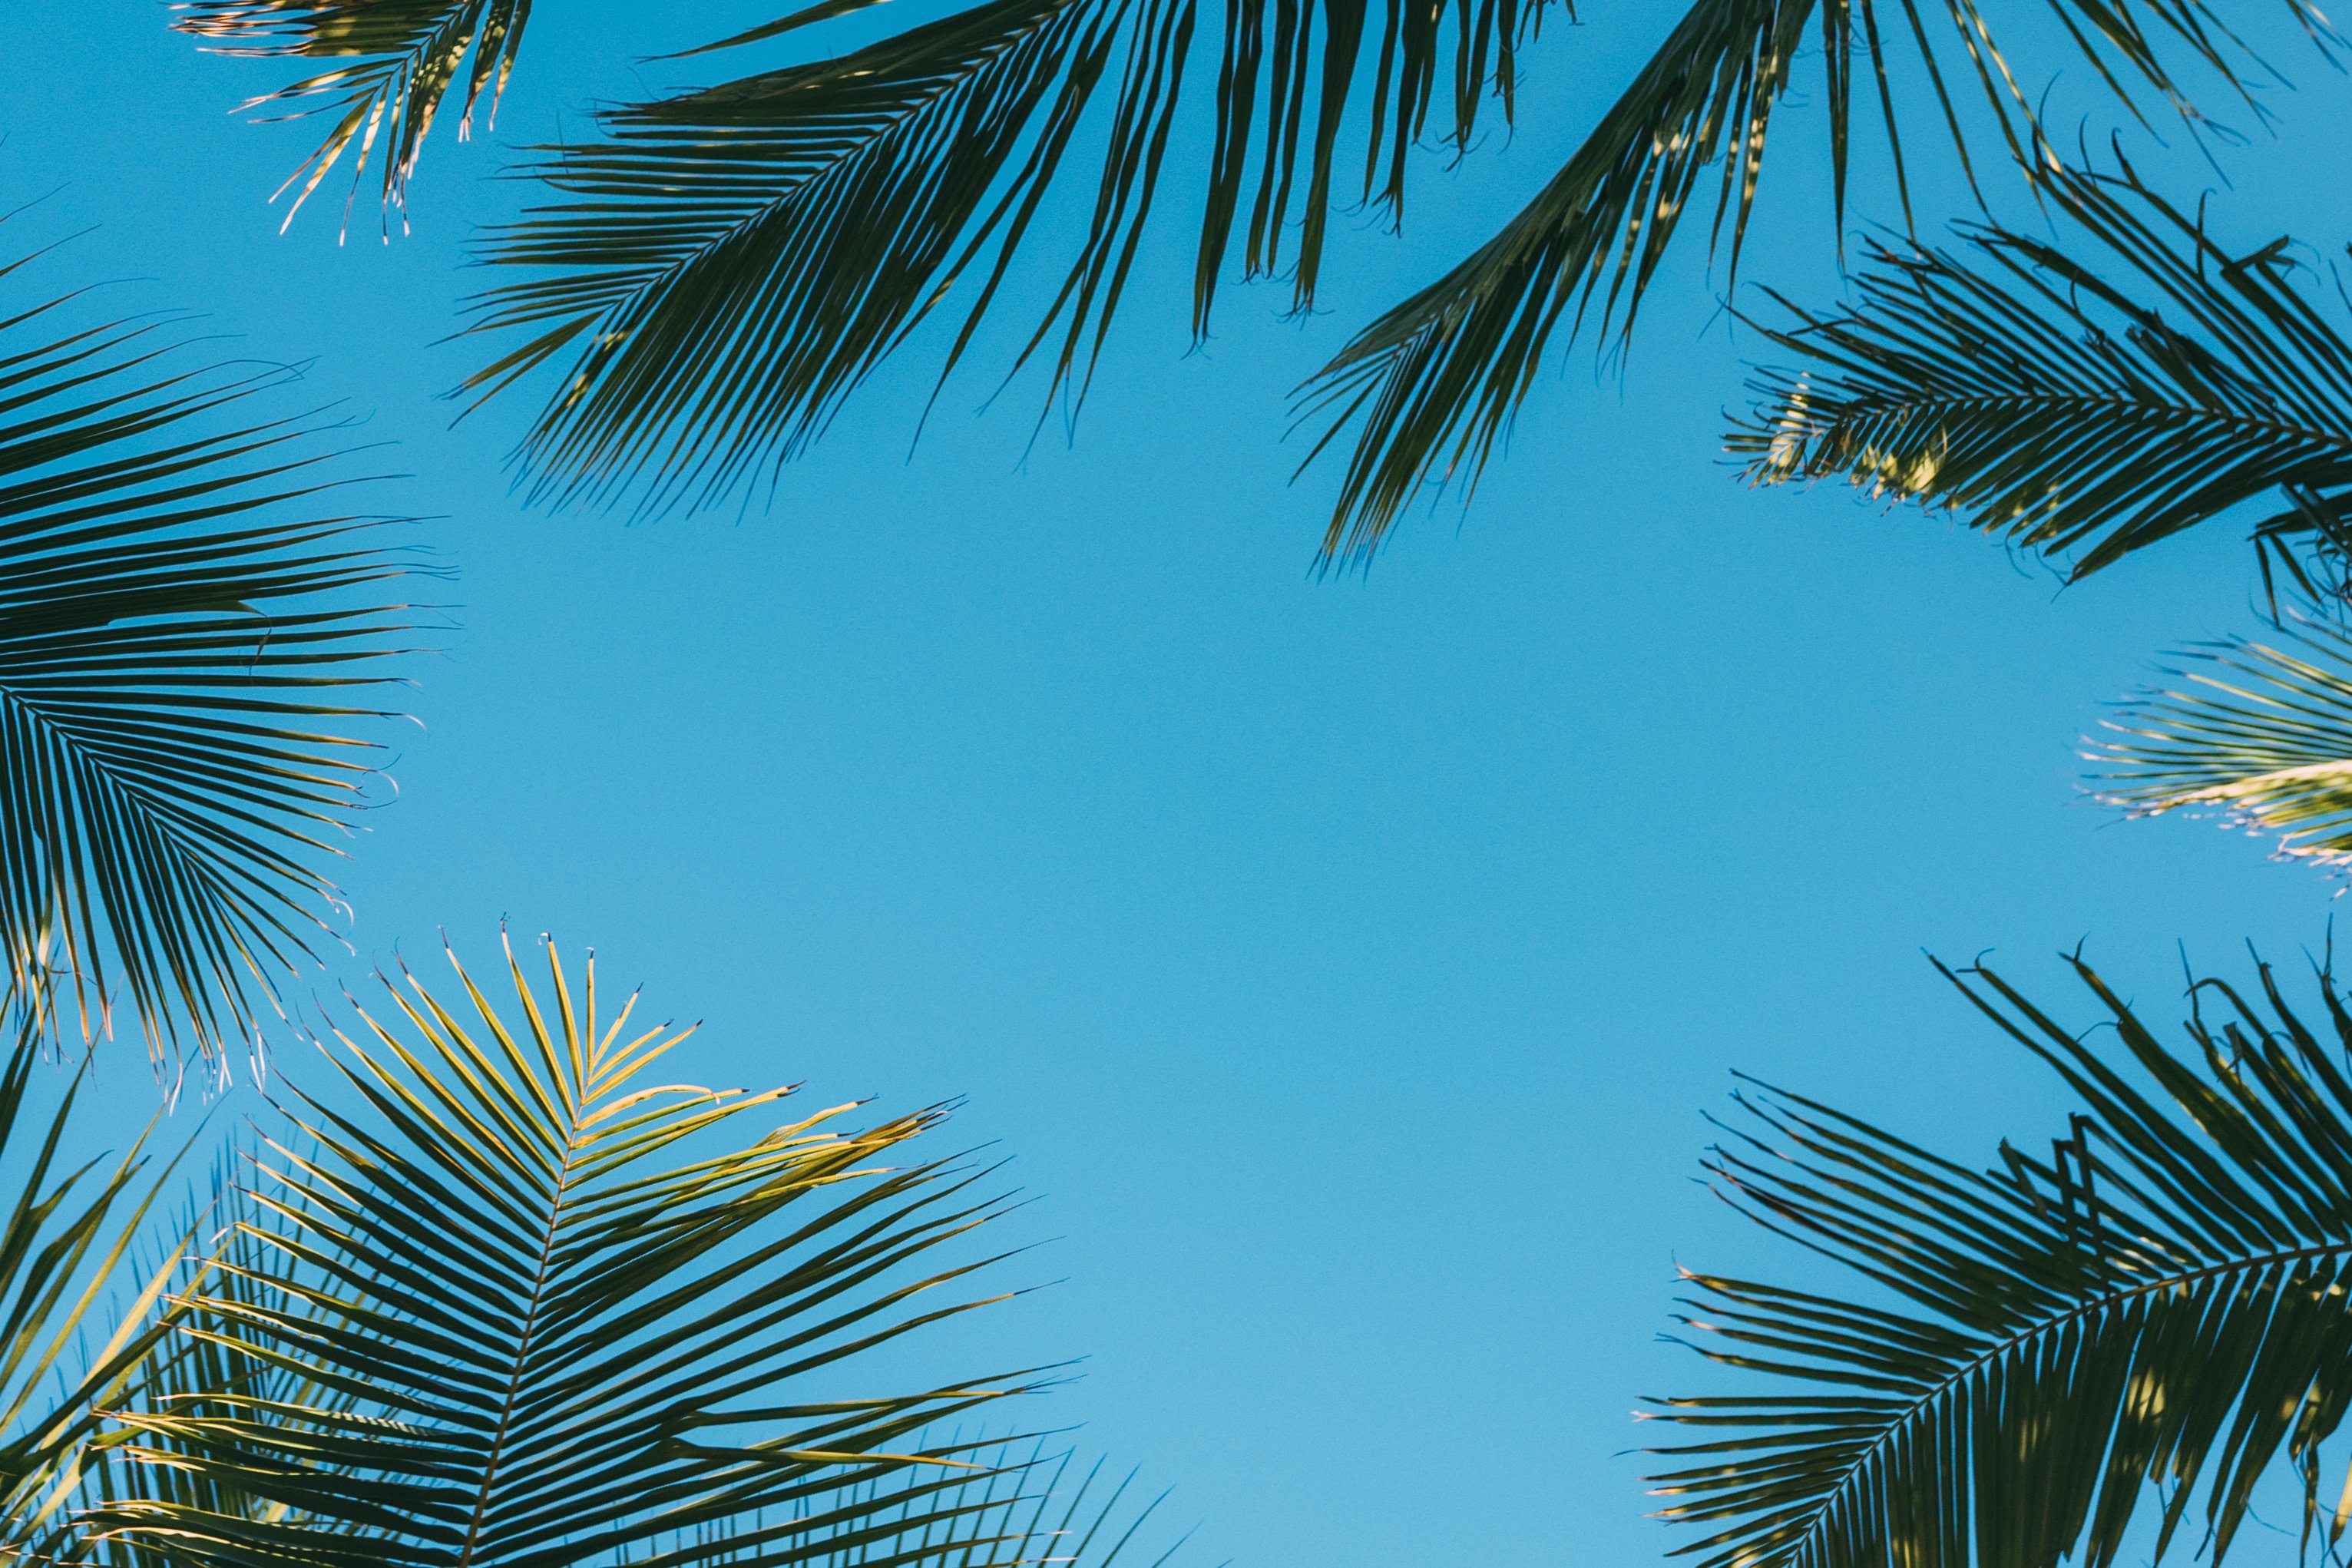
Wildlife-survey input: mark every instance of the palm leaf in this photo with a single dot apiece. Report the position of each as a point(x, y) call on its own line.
point(2090, 401)
point(2259, 731)
point(730, 263)
point(722, 267)
point(177, 596)
point(2040, 1354)
point(727, 265)
point(532, 1305)
point(199, 1363)
point(1436, 380)
point(405, 56)
point(68, 1238)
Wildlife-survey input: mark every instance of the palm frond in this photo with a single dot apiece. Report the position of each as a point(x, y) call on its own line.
point(198, 1363)
point(546, 1311)
point(179, 607)
point(2259, 731)
point(724, 265)
point(729, 264)
point(69, 1235)
point(1433, 384)
point(2030, 1357)
point(405, 56)
point(2088, 400)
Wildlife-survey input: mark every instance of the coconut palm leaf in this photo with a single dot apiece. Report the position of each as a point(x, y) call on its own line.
point(722, 267)
point(67, 1235)
point(1436, 380)
point(2087, 400)
point(2040, 1357)
point(199, 1364)
point(2259, 731)
point(534, 1306)
point(730, 263)
point(405, 55)
point(180, 606)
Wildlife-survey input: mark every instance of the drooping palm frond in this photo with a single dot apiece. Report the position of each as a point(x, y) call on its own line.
point(2039, 1354)
point(728, 263)
point(1433, 384)
point(724, 265)
point(408, 54)
point(731, 262)
point(2259, 731)
point(2087, 400)
point(553, 1315)
point(179, 606)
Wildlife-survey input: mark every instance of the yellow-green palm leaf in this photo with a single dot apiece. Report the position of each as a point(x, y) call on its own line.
point(534, 1301)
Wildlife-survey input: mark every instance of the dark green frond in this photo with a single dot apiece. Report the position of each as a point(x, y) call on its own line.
point(1436, 379)
point(1434, 383)
point(180, 606)
point(2261, 732)
point(404, 55)
point(722, 268)
point(2040, 1353)
point(530, 1304)
point(2078, 400)
point(729, 264)
point(1292, 78)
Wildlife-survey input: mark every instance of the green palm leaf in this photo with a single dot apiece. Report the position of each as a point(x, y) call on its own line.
point(2261, 732)
point(405, 55)
point(2040, 1353)
point(2090, 401)
point(199, 1364)
point(67, 1238)
point(722, 267)
point(1436, 380)
point(730, 263)
point(532, 1305)
point(179, 607)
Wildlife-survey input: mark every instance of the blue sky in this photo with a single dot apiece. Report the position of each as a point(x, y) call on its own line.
point(1347, 963)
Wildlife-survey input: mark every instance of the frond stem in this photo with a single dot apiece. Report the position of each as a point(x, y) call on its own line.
point(522, 1346)
point(2048, 1325)
point(2185, 413)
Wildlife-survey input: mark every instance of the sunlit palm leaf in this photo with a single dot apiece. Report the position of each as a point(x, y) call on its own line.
point(67, 1234)
point(177, 610)
point(557, 1319)
point(2087, 399)
point(2260, 731)
point(2043, 1351)
point(405, 55)
point(200, 1365)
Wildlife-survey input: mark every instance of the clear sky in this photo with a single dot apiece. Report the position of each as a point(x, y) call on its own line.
point(1346, 964)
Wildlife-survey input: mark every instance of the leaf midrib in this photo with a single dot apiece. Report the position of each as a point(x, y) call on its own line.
point(522, 1346)
point(2184, 412)
point(2048, 1325)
